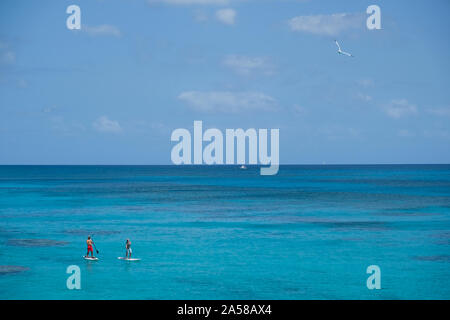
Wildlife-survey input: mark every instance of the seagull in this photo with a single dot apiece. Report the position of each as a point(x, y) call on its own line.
point(342, 52)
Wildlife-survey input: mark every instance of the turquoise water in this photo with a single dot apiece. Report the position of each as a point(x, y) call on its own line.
point(203, 232)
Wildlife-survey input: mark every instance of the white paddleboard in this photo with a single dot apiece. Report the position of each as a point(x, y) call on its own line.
point(128, 259)
point(90, 258)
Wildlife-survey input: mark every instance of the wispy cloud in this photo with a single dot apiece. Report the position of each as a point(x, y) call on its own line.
point(441, 112)
point(437, 133)
point(367, 82)
point(104, 124)
point(335, 132)
point(228, 102)
point(49, 109)
point(200, 15)
point(64, 126)
point(363, 97)
point(330, 25)
point(405, 133)
point(226, 16)
point(143, 126)
point(102, 30)
point(400, 108)
point(7, 56)
point(22, 83)
point(245, 65)
point(299, 110)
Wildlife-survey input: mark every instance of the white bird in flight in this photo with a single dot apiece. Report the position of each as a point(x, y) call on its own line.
point(342, 52)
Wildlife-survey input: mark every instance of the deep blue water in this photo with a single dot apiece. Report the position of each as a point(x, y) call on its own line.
point(204, 232)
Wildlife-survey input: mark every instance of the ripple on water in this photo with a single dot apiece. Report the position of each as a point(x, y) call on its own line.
point(407, 214)
point(439, 258)
point(36, 243)
point(4, 270)
point(442, 238)
point(90, 232)
point(356, 225)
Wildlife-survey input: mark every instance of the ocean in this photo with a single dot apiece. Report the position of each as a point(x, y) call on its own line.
point(220, 232)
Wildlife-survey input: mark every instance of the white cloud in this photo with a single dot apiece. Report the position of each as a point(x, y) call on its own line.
point(228, 102)
point(103, 124)
point(437, 133)
point(441, 112)
point(191, 2)
point(22, 83)
point(334, 132)
point(400, 108)
point(102, 30)
point(49, 109)
point(404, 133)
point(226, 16)
point(364, 97)
point(366, 82)
point(143, 126)
point(7, 56)
point(299, 110)
point(62, 125)
point(330, 25)
point(246, 65)
point(200, 16)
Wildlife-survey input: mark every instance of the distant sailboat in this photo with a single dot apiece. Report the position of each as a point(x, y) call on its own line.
point(243, 167)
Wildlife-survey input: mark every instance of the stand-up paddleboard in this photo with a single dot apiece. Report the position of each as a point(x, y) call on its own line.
point(128, 259)
point(91, 259)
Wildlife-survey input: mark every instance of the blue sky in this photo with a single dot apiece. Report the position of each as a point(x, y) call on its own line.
point(112, 92)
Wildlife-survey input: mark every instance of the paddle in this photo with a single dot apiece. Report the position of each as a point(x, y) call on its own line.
point(94, 245)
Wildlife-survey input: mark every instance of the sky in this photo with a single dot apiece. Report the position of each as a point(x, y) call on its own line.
point(114, 91)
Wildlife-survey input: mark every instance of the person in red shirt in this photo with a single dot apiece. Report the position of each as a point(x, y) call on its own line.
point(128, 249)
point(89, 243)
